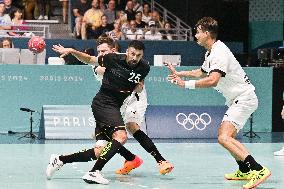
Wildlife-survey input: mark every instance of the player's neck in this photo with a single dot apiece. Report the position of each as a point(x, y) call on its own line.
point(210, 44)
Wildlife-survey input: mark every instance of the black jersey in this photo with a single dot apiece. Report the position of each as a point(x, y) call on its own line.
point(119, 76)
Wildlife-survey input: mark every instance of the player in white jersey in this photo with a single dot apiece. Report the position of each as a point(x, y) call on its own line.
point(222, 71)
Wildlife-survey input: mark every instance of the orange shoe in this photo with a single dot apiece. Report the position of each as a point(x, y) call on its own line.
point(129, 165)
point(165, 167)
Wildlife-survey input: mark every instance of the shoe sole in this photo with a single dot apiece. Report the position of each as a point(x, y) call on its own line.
point(259, 182)
point(92, 182)
point(235, 179)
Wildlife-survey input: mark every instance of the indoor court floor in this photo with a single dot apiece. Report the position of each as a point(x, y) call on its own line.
point(198, 165)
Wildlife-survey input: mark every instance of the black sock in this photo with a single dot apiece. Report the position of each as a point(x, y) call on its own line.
point(82, 156)
point(126, 154)
point(252, 164)
point(243, 167)
point(148, 145)
point(107, 153)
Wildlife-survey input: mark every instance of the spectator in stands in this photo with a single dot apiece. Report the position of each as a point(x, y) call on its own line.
point(110, 12)
point(17, 20)
point(134, 33)
point(146, 14)
point(6, 43)
point(44, 8)
point(102, 5)
point(91, 20)
point(116, 33)
point(153, 34)
point(168, 33)
point(5, 20)
point(123, 21)
point(9, 7)
point(104, 28)
point(138, 19)
point(79, 9)
point(157, 18)
point(64, 10)
point(29, 9)
point(129, 10)
point(137, 6)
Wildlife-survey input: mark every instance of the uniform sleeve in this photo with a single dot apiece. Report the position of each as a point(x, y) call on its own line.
point(218, 64)
point(107, 60)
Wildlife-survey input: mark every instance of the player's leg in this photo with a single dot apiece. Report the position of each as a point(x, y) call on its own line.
point(234, 120)
point(57, 161)
point(110, 118)
point(133, 113)
point(119, 137)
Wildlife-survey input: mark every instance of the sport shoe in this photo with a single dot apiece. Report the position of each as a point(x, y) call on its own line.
point(45, 17)
point(54, 165)
point(129, 166)
point(257, 178)
point(95, 178)
point(280, 152)
point(238, 175)
point(165, 167)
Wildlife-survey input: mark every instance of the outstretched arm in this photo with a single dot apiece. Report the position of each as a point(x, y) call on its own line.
point(83, 57)
point(210, 81)
point(192, 73)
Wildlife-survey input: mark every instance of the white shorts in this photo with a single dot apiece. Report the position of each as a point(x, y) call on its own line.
point(133, 110)
point(241, 109)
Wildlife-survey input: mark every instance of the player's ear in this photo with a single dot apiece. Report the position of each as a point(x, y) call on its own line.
point(113, 50)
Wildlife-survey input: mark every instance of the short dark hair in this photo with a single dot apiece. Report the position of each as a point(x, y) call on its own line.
point(208, 24)
point(139, 45)
point(105, 39)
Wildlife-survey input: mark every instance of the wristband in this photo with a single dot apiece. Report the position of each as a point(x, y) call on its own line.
point(189, 84)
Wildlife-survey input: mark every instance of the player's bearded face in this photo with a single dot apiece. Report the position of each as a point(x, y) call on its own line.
point(133, 56)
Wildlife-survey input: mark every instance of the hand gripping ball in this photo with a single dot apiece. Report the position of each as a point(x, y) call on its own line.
point(36, 44)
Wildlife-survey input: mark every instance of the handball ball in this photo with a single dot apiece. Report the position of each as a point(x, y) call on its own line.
point(36, 44)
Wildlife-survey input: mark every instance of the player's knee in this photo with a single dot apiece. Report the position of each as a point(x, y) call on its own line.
point(120, 136)
point(100, 144)
point(132, 127)
point(223, 139)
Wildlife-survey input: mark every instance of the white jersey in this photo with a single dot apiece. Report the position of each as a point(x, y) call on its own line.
point(234, 80)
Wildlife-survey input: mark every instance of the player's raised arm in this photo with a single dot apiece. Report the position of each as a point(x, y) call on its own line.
point(83, 57)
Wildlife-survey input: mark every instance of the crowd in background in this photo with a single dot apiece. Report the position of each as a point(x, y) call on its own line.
point(132, 21)
point(120, 19)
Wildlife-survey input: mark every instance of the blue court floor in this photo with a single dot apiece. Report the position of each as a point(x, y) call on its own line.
point(198, 165)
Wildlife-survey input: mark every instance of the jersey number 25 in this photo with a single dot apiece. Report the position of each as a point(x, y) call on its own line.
point(134, 77)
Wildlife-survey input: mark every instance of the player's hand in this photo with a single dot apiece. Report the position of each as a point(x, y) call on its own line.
point(61, 50)
point(139, 87)
point(176, 80)
point(100, 70)
point(170, 67)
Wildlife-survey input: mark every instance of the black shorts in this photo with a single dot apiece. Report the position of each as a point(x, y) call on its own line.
point(106, 111)
point(104, 132)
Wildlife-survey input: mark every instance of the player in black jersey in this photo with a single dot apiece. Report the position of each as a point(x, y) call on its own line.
point(124, 74)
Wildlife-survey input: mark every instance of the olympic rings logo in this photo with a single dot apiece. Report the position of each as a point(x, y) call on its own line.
point(193, 120)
